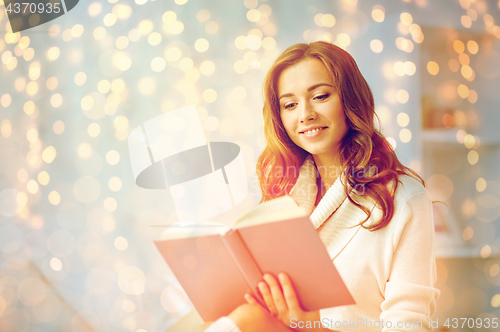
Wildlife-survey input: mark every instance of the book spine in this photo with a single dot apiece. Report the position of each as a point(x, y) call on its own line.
point(244, 260)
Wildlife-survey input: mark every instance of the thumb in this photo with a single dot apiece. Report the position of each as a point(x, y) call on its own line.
point(250, 299)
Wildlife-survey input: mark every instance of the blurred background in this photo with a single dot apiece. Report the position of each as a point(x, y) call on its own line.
point(76, 232)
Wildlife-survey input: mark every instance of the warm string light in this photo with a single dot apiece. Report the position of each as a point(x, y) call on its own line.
point(81, 117)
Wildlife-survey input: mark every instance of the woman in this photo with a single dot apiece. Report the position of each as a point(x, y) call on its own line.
point(373, 214)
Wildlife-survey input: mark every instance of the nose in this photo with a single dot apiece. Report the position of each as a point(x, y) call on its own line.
point(307, 113)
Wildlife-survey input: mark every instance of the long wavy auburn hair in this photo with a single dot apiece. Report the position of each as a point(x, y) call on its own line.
point(363, 147)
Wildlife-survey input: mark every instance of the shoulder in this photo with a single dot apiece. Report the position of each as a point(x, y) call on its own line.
point(412, 208)
point(409, 189)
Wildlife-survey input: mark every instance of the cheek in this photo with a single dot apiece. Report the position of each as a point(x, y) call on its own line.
point(339, 116)
point(287, 124)
point(344, 119)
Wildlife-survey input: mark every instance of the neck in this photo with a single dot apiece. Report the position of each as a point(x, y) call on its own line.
point(329, 169)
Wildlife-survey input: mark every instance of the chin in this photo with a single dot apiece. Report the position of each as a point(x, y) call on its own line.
point(317, 151)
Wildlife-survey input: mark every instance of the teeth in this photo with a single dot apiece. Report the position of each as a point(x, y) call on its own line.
point(312, 131)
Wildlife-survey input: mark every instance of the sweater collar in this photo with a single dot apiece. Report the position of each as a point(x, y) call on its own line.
point(305, 192)
point(335, 218)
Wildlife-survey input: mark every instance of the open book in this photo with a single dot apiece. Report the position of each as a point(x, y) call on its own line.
point(216, 265)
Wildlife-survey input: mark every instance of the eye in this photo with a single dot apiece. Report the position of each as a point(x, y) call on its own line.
point(322, 97)
point(289, 106)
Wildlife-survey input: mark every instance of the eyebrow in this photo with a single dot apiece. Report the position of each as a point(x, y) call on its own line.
point(312, 87)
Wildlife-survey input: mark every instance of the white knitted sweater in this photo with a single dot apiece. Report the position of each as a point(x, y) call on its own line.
point(389, 272)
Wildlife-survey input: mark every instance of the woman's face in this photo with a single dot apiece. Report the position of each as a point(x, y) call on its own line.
point(310, 108)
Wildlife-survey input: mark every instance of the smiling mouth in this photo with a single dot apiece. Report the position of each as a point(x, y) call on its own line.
point(308, 132)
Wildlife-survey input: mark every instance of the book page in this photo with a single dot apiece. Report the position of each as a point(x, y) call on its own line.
point(278, 209)
point(180, 231)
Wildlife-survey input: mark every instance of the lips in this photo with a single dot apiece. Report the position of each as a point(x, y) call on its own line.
point(312, 130)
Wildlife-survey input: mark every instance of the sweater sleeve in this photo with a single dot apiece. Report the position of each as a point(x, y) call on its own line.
point(410, 296)
point(223, 324)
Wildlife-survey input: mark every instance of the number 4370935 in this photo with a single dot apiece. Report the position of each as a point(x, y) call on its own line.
point(33, 8)
point(471, 323)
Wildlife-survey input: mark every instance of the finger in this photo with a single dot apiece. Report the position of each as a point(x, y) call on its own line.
point(276, 293)
point(268, 299)
point(250, 299)
point(289, 292)
point(254, 300)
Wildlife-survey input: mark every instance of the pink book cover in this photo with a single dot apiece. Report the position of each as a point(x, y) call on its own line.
point(217, 270)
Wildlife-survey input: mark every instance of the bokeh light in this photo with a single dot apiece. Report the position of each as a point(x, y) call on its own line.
point(376, 46)
point(74, 91)
point(58, 127)
point(207, 68)
point(112, 157)
point(402, 96)
point(93, 129)
point(406, 18)
point(485, 251)
point(209, 95)
point(494, 270)
point(405, 135)
point(158, 64)
point(403, 119)
point(56, 100)
point(43, 178)
point(121, 243)
point(201, 45)
point(469, 141)
point(95, 9)
point(378, 13)
point(472, 46)
point(49, 154)
point(84, 150)
point(154, 39)
point(473, 157)
point(56, 264)
point(203, 15)
point(468, 233)
point(109, 19)
point(115, 183)
point(110, 204)
point(54, 198)
point(458, 46)
point(53, 53)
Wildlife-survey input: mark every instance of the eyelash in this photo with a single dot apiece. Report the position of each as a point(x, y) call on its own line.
point(320, 97)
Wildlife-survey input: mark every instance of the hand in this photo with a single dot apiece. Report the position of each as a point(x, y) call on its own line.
point(281, 301)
